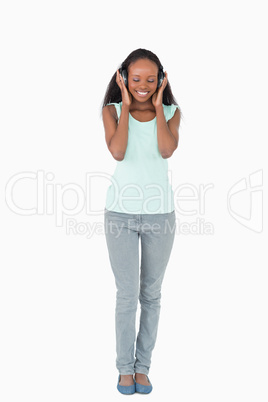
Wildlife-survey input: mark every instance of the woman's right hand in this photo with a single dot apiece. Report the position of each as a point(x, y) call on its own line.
point(126, 95)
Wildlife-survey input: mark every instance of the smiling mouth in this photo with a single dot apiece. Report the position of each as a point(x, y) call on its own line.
point(142, 94)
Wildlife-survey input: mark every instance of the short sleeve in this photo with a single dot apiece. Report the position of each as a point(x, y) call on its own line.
point(117, 107)
point(169, 111)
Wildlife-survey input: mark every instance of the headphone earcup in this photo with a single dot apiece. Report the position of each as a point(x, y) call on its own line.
point(161, 76)
point(123, 72)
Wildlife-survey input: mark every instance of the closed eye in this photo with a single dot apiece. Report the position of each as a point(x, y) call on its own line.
point(138, 80)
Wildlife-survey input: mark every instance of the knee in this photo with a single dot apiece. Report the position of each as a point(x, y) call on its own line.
point(128, 301)
point(148, 297)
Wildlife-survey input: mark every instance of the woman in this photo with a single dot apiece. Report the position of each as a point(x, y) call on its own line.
point(141, 121)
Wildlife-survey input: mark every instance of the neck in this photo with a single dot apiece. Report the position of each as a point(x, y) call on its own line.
point(136, 105)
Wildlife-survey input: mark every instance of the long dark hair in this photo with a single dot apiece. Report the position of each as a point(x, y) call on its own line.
point(113, 92)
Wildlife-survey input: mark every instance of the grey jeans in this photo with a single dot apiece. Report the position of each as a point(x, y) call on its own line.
point(156, 233)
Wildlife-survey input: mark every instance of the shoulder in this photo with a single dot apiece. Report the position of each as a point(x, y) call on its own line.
point(169, 111)
point(109, 110)
point(114, 109)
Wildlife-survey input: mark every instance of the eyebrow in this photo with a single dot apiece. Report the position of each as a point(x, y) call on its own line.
point(139, 75)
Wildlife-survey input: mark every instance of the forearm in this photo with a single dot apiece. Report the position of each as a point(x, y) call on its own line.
point(166, 141)
point(119, 140)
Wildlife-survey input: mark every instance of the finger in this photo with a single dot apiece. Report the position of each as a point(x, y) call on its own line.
point(118, 79)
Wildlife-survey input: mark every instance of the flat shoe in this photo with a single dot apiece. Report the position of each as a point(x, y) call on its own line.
point(144, 389)
point(126, 389)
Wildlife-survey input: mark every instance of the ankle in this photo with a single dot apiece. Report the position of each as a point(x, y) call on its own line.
point(126, 379)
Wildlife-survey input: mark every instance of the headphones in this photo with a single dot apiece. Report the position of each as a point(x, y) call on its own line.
point(161, 76)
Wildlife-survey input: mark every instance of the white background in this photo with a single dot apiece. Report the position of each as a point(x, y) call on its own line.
point(57, 289)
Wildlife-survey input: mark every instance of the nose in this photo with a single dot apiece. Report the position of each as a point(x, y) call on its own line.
point(142, 83)
point(142, 87)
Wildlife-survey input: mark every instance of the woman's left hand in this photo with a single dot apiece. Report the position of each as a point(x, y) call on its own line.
point(157, 98)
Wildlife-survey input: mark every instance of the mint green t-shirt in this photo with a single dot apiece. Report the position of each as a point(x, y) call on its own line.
point(140, 183)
